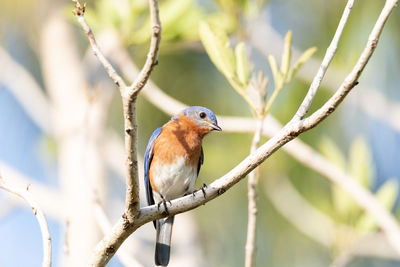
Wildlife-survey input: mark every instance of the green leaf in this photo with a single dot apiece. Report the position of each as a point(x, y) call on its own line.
point(300, 62)
point(242, 69)
point(386, 196)
point(360, 162)
point(274, 69)
point(216, 43)
point(286, 55)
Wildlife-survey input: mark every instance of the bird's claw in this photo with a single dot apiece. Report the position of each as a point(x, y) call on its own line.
point(164, 202)
point(203, 190)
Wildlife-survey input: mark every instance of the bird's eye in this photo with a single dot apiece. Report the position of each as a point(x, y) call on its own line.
point(202, 114)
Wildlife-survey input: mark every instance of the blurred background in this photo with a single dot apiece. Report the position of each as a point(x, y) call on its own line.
point(61, 130)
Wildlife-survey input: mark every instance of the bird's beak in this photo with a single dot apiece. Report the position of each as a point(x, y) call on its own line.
point(215, 127)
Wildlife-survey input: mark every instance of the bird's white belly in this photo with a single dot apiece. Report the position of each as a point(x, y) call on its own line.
point(173, 180)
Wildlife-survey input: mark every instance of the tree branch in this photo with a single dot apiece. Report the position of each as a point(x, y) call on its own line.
point(129, 95)
point(330, 53)
point(151, 60)
point(252, 200)
point(79, 12)
point(352, 79)
point(27, 196)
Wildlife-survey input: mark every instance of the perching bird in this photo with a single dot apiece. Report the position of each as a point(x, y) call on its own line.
point(172, 163)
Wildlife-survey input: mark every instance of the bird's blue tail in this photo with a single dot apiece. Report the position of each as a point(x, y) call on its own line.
point(163, 241)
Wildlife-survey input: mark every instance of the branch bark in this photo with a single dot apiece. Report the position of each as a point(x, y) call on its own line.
point(252, 201)
point(330, 53)
point(24, 193)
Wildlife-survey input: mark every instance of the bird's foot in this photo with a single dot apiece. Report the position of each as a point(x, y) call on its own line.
point(164, 202)
point(203, 189)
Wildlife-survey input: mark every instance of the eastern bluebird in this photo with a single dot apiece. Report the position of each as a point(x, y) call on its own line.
point(172, 163)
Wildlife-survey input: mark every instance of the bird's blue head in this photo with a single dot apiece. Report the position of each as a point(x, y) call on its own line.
point(202, 116)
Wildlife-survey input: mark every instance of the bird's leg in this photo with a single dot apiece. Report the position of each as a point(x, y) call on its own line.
point(203, 190)
point(164, 202)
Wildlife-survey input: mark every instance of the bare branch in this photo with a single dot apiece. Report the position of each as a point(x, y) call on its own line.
point(24, 193)
point(151, 60)
point(330, 53)
point(352, 79)
point(129, 97)
point(79, 12)
point(252, 200)
point(106, 248)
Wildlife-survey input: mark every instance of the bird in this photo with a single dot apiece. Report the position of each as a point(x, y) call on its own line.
point(173, 158)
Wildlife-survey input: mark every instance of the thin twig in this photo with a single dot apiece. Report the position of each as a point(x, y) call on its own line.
point(151, 60)
point(352, 79)
point(24, 193)
point(79, 12)
point(252, 200)
point(330, 53)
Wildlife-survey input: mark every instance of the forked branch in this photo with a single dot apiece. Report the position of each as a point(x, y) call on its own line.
point(129, 96)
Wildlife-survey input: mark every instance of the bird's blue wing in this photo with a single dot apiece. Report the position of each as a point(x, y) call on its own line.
point(201, 160)
point(147, 161)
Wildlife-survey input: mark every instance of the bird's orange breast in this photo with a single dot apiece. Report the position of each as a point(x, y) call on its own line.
point(180, 138)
